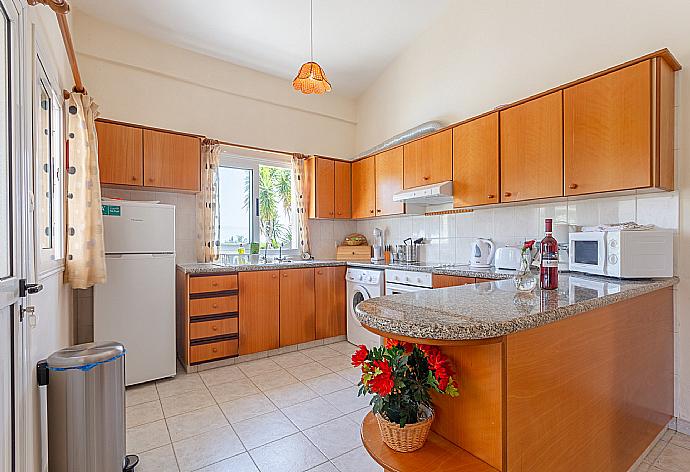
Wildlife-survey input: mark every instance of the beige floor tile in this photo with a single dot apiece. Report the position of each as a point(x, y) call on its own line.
point(143, 413)
point(182, 383)
point(240, 463)
point(291, 454)
point(289, 395)
point(258, 367)
point(674, 458)
point(147, 436)
point(320, 353)
point(357, 417)
point(335, 437)
point(655, 452)
point(233, 390)
point(143, 393)
point(347, 401)
point(308, 371)
point(195, 422)
point(292, 359)
point(221, 375)
point(339, 362)
point(357, 460)
point(161, 459)
point(311, 413)
point(680, 439)
point(328, 383)
point(186, 402)
point(343, 347)
point(271, 380)
point(352, 374)
point(325, 467)
point(207, 448)
point(263, 429)
point(247, 407)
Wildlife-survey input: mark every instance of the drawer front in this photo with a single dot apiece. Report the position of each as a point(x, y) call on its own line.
point(212, 283)
point(210, 351)
point(213, 306)
point(209, 329)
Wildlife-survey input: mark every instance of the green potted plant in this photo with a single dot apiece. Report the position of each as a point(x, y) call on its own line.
point(401, 377)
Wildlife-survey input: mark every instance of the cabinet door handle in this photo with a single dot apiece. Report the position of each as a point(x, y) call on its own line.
point(274, 276)
point(284, 275)
point(134, 179)
point(507, 194)
point(572, 186)
point(425, 178)
point(371, 211)
point(214, 284)
point(150, 179)
point(215, 305)
point(491, 196)
point(378, 211)
point(215, 349)
point(319, 272)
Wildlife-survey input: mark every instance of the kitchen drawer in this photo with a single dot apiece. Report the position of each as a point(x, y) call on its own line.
point(208, 352)
point(212, 283)
point(212, 328)
point(212, 306)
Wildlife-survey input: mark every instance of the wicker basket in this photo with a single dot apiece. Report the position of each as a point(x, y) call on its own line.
point(407, 439)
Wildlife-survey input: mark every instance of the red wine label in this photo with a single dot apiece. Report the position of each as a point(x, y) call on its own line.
point(549, 262)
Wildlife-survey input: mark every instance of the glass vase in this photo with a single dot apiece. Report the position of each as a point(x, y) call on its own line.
point(525, 280)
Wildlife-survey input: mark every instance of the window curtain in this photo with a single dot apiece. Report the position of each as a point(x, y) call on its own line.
point(299, 189)
point(85, 262)
point(208, 219)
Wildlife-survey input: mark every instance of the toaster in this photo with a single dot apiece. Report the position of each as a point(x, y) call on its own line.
point(507, 257)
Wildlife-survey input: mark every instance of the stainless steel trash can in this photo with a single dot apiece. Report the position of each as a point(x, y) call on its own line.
point(86, 408)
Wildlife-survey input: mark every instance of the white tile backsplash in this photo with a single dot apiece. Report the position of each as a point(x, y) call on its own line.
point(326, 235)
point(448, 237)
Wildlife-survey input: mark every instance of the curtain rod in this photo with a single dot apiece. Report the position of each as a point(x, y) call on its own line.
point(244, 146)
point(61, 9)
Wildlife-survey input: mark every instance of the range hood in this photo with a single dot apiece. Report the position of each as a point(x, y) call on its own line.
point(432, 194)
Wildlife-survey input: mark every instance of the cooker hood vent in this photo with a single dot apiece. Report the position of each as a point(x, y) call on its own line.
point(432, 194)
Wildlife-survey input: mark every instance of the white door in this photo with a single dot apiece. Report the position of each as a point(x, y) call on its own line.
point(11, 236)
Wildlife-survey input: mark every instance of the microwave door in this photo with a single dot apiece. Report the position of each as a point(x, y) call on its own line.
point(588, 253)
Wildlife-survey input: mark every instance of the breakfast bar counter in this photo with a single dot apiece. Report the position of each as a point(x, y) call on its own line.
point(575, 379)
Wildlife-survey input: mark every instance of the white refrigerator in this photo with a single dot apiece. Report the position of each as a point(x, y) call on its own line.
point(136, 305)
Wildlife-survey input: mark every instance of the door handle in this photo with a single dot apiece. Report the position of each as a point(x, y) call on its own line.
point(28, 289)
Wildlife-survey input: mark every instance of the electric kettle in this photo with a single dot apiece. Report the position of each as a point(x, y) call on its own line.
point(482, 253)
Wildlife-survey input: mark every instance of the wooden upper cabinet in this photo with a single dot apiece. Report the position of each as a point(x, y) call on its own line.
point(429, 160)
point(532, 149)
point(297, 311)
point(330, 301)
point(259, 307)
point(364, 188)
point(343, 189)
point(389, 180)
point(475, 162)
point(172, 161)
point(608, 131)
point(120, 154)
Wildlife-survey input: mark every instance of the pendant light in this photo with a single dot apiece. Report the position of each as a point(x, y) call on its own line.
point(311, 77)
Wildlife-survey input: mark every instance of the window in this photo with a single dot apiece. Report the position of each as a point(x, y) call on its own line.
point(48, 168)
point(255, 204)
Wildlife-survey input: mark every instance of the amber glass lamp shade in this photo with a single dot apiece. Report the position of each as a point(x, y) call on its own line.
point(311, 79)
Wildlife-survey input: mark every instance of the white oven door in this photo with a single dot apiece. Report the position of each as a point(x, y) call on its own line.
point(588, 252)
point(393, 288)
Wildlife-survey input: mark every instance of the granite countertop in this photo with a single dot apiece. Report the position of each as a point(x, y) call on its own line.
point(490, 309)
point(197, 268)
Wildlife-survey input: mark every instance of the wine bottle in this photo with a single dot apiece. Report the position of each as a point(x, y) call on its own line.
point(548, 271)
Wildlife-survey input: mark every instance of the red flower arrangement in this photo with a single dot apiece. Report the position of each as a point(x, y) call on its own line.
point(401, 377)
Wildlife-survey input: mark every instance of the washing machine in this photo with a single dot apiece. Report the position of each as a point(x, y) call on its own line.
point(362, 284)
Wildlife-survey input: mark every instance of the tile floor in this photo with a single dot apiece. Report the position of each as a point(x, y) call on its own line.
point(293, 412)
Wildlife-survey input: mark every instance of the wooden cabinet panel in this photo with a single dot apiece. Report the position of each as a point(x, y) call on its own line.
point(607, 124)
point(212, 328)
point(389, 181)
point(297, 313)
point(213, 306)
point(325, 188)
point(475, 162)
point(212, 283)
point(120, 154)
point(329, 301)
point(207, 352)
point(343, 190)
point(259, 311)
point(172, 161)
point(532, 149)
point(364, 188)
point(429, 160)
point(441, 281)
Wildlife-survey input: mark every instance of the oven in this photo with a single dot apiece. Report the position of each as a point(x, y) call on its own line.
point(405, 281)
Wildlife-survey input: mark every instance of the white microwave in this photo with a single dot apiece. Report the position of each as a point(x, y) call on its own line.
point(623, 254)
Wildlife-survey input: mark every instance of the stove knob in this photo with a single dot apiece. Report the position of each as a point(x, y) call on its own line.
point(613, 243)
point(407, 279)
point(613, 259)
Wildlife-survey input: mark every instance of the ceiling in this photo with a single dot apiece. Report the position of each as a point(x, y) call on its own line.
point(354, 40)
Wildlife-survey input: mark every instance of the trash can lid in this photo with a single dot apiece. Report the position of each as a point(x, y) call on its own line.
point(86, 354)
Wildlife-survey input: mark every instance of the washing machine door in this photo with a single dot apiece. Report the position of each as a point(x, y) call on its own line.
point(356, 333)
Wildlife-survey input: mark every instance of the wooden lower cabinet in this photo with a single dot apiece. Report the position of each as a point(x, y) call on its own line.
point(259, 311)
point(441, 281)
point(297, 310)
point(329, 301)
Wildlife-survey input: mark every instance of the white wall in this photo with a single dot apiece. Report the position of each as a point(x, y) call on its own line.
point(140, 80)
point(479, 55)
